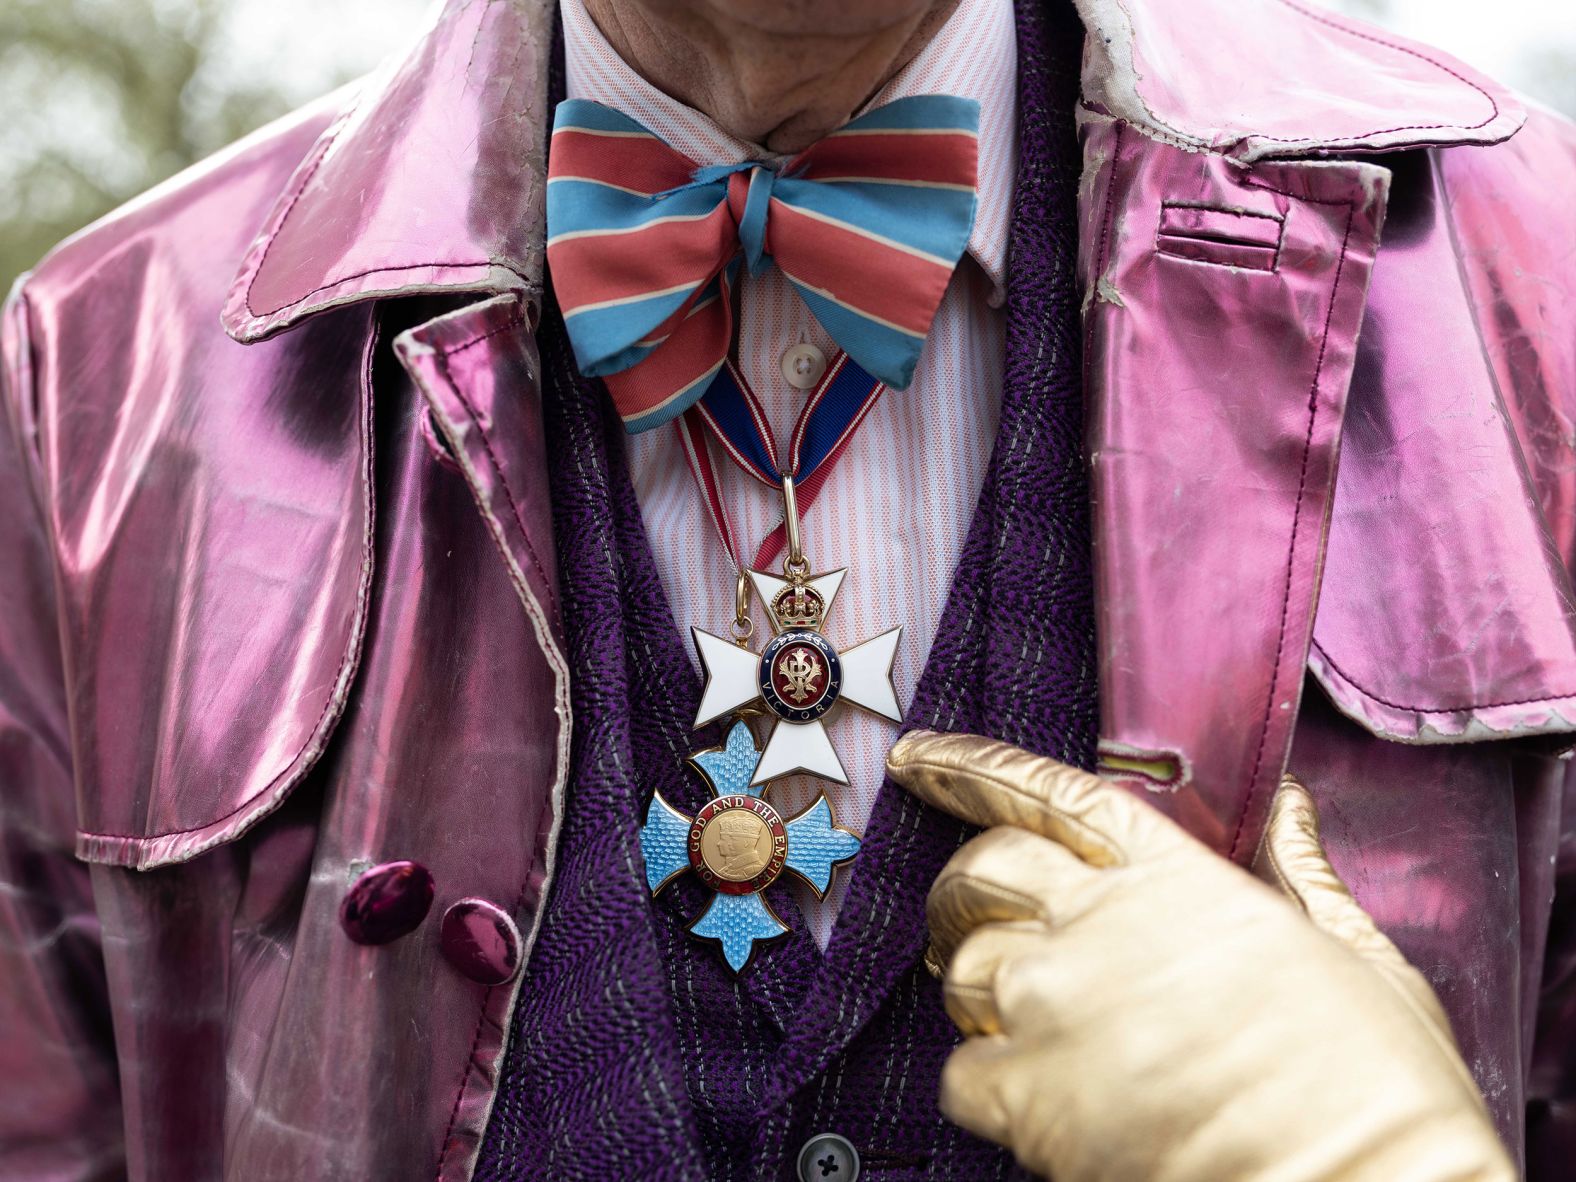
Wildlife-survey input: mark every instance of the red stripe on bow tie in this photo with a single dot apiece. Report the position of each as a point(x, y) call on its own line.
point(651, 259)
point(932, 158)
point(695, 344)
point(641, 164)
point(899, 288)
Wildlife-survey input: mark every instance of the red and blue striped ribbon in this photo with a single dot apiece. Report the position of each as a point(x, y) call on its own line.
point(732, 413)
point(645, 246)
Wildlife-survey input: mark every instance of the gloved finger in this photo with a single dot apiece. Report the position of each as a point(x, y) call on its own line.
point(1292, 857)
point(990, 783)
point(972, 1083)
point(969, 989)
point(1002, 875)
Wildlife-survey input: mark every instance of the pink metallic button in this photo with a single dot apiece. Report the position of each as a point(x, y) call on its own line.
point(386, 902)
point(481, 941)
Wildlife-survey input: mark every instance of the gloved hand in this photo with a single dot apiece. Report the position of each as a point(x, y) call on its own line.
point(1142, 1010)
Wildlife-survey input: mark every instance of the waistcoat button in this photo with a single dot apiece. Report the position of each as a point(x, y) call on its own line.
point(826, 1157)
point(386, 902)
point(481, 941)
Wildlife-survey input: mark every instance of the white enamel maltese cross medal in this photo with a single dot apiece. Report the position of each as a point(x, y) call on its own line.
point(738, 845)
point(799, 675)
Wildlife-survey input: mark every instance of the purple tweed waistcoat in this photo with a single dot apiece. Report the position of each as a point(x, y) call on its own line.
point(635, 1053)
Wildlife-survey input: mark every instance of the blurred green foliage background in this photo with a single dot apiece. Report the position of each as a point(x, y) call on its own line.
point(102, 99)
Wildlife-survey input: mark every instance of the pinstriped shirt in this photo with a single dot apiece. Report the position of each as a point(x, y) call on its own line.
point(896, 508)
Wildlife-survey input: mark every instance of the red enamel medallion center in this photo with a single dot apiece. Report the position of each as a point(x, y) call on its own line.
point(800, 676)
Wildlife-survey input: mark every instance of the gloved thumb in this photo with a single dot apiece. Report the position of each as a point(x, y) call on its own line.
point(1292, 857)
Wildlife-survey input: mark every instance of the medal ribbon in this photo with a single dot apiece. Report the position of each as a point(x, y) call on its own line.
point(732, 413)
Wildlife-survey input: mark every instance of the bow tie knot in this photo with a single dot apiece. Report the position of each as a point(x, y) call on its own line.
point(645, 246)
point(749, 196)
point(748, 201)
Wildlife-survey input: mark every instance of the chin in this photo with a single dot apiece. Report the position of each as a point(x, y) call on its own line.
point(833, 18)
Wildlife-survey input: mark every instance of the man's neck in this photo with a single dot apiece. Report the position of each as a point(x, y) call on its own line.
point(781, 77)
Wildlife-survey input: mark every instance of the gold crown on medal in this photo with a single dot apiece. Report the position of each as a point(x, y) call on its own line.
point(798, 607)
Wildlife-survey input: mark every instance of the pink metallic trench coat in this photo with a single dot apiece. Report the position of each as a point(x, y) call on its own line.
point(1331, 318)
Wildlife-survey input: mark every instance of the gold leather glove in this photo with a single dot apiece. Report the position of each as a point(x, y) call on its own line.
point(1141, 1009)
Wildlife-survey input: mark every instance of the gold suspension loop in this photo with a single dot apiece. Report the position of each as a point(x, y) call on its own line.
point(795, 565)
point(743, 625)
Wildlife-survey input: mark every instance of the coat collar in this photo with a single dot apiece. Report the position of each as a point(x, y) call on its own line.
point(431, 179)
point(1256, 79)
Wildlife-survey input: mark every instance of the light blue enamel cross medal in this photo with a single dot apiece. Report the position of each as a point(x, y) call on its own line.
point(739, 845)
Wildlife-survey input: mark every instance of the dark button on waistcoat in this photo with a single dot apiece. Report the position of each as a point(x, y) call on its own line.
point(826, 1157)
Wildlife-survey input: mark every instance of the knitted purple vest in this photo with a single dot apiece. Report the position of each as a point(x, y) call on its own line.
point(634, 1053)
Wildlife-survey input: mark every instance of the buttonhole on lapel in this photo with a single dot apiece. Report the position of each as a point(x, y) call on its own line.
point(436, 443)
point(1158, 771)
point(1235, 238)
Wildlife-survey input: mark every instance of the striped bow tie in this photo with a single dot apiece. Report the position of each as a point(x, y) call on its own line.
point(645, 246)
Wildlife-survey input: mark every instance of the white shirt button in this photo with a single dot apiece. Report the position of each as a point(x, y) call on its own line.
point(803, 366)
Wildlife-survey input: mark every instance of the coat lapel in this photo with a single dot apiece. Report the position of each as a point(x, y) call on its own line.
point(1226, 261)
point(430, 180)
point(478, 371)
point(1223, 307)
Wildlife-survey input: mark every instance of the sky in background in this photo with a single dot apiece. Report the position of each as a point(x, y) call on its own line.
point(1528, 44)
point(1497, 37)
point(265, 38)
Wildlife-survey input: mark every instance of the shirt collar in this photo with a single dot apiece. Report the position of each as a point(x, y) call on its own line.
point(974, 55)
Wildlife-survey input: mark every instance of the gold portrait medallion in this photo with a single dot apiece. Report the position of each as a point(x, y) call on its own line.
point(736, 846)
